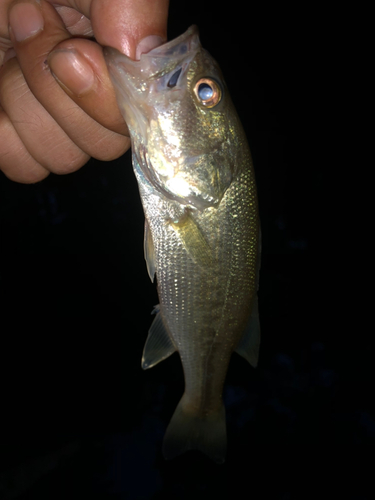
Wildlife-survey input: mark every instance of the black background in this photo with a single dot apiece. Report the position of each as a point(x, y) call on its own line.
point(79, 416)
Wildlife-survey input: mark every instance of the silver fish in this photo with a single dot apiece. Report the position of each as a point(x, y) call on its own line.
point(202, 232)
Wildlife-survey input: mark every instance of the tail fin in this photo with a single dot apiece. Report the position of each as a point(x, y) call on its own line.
point(187, 431)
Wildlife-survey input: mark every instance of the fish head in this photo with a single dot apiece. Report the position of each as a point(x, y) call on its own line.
point(181, 119)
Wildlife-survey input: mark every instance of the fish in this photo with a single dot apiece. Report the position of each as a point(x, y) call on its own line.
point(202, 232)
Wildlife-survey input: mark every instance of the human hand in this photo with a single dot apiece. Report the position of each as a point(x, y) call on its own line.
point(57, 103)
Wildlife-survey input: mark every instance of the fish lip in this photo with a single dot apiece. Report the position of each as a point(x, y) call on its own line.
point(166, 49)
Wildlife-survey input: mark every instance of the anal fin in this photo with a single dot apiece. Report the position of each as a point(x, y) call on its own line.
point(159, 345)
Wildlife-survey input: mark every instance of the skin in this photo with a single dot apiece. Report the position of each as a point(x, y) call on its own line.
point(57, 103)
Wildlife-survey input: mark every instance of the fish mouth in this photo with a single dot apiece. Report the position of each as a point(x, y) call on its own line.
point(132, 80)
point(155, 62)
point(178, 46)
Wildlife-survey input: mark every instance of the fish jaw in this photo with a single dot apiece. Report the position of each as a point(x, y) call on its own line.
point(135, 80)
point(166, 124)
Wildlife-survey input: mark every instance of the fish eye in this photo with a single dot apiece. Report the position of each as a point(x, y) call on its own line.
point(208, 92)
point(174, 78)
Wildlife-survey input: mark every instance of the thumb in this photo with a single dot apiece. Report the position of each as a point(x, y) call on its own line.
point(79, 67)
point(78, 64)
point(132, 27)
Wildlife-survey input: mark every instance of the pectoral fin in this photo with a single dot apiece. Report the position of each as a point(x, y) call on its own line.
point(193, 240)
point(148, 246)
point(248, 346)
point(158, 345)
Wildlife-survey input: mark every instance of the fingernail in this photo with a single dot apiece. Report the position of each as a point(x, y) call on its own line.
point(25, 20)
point(147, 44)
point(71, 70)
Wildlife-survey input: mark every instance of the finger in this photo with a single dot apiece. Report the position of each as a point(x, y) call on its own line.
point(42, 137)
point(15, 160)
point(92, 138)
point(123, 24)
point(79, 67)
point(75, 22)
point(128, 24)
point(32, 125)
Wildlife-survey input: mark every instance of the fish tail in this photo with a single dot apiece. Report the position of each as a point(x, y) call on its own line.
point(187, 431)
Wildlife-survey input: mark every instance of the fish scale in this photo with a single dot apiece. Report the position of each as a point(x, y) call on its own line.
point(202, 232)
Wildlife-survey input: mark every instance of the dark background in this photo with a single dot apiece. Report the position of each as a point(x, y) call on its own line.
point(79, 416)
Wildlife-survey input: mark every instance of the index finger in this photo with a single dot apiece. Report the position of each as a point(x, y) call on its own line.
point(124, 23)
